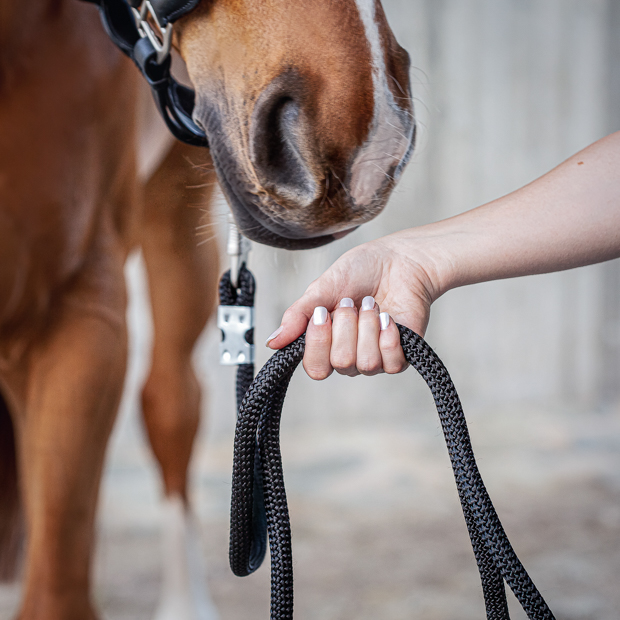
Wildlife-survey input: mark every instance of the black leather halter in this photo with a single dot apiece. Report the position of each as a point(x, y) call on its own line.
point(126, 23)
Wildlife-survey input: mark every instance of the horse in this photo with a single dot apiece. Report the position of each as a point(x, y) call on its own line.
point(308, 113)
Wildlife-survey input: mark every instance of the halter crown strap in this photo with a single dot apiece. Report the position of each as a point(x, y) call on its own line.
point(175, 101)
point(168, 11)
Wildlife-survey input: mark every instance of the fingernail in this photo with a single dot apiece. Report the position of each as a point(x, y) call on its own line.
point(384, 320)
point(274, 335)
point(347, 302)
point(368, 303)
point(319, 316)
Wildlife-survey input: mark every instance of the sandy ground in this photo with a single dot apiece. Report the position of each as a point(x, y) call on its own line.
point(377, 529)
point(378, 533)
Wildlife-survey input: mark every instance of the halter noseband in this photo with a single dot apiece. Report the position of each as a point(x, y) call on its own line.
point(127, 23)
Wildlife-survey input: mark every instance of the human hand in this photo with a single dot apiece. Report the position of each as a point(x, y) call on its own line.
point(565, 219)
point(349, 313)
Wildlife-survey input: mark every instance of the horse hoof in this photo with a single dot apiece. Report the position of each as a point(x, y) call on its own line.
point(184, 592)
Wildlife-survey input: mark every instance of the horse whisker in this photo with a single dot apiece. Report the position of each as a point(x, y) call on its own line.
point(344, 187)
point(202, 185)
point(389, 176)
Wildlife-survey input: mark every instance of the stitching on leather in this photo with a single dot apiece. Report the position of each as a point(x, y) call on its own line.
point(182, 10)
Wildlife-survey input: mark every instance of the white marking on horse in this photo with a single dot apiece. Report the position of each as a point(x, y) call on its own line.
point(390, 133)
point(184, 594)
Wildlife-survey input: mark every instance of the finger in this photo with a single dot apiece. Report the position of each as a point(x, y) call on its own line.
point(368, 354)
point(318, 345)
point(354, 274)
point(294, 323)
point(297, 317)
point(393, 358)
point(343, 354)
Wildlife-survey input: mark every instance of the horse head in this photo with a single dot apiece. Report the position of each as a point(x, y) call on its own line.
point(307, 108)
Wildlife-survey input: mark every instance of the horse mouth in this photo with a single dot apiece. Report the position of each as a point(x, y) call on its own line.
point(253, 223)
point(267, 233)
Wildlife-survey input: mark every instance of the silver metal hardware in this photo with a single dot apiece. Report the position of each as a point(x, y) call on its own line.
point(162, 41)
point(235, 322)
point(238, 248)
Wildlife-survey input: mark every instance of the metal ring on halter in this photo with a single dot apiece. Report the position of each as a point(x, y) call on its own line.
point(162, 42)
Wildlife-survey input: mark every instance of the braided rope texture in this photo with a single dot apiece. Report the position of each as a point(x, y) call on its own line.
point(258, 424)
point(243, 295)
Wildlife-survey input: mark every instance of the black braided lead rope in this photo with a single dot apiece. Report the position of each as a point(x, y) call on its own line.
point(243, 295)
point(486, 532)
point(259, 420)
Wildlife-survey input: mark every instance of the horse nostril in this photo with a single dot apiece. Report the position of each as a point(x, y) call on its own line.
point(279, 145)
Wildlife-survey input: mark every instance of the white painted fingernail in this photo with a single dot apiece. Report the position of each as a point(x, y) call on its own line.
point(384, 320)
point(274, 335)
point(319, 316)
point(368, 303)
point(347, 302)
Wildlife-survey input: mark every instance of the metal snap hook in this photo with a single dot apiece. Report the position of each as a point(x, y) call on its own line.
point(238, 248)
point(162, 41)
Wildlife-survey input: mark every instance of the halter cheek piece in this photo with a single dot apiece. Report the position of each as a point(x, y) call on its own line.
point(128, 23)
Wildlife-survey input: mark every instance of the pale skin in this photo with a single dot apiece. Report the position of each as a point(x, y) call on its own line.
point(567, 218)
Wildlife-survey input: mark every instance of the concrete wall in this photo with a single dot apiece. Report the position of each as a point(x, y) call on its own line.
point(505, 90)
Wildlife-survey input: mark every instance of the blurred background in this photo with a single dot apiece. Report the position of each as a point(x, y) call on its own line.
point(504, 91)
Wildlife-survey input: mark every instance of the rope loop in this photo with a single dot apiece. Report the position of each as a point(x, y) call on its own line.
point(243, 295)
point(257, 454)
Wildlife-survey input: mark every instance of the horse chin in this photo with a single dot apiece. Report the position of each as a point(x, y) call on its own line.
point(252, 228)
point(259, 233)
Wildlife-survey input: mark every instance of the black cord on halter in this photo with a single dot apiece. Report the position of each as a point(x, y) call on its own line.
point(258, 428)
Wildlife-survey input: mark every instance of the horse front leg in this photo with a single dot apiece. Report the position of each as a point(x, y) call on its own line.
point(182, 274)
point(71, 390)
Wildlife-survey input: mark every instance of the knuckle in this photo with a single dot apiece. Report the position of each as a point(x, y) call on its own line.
point(318, 374)
point(369, 365)
point(368, 319)
point(345, 320)
point(346, 314)
point(389, 341)
point(289, 314)
point(390, 369)
point(393, 368)
point(316, 371)
point(342, 361)
point(318, 337)
point(391, 346)
point(313, 287)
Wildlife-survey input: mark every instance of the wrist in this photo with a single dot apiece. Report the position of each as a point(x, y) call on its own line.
point(430, 252)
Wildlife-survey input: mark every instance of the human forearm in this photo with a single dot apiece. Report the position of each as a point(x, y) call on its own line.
point(567, 218)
